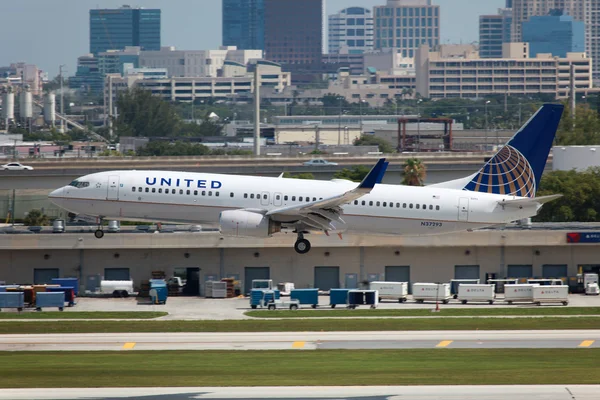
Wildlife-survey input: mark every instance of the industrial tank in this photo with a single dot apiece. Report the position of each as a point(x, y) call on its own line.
point(8, 104)
point(26, 104)
point(50, 108)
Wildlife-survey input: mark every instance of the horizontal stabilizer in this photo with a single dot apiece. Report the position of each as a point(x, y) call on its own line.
point(533, 202)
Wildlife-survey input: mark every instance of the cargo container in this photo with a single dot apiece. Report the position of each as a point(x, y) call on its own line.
point(215, 289)
point(551, 294)
point(476, 293)
point(69, 294)
point(391, 290)
point(338, 297)
point(50, 299)
point(363, 297)
point(431, 292)
point(306, 296)
point(68, 282)
point(12, 300)
point(519, 293)
point(158, 291)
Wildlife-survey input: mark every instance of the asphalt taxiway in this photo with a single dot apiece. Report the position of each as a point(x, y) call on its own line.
point(558, 392)
point(301, 340)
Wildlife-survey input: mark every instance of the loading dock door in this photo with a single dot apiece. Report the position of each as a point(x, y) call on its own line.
point(251, 273)
point(554, 271)
point(464, 272)
point(351, 281)
point(327, 278)
point(398, 274)
point(43, 276)
point(116, 274)
point(520, 271)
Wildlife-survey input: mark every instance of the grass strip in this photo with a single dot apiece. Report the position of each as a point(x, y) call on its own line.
point(301, 325)
point(84, 315)
point(299, 368)
point(426, 312)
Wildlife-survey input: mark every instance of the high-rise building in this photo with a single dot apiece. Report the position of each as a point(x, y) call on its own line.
point(494, 30)
point(294, 31)
point(244, 24)
point(557, 35)
point(115, 29)
point(405, 25)
point(351, 31)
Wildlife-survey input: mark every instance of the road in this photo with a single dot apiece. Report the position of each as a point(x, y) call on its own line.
point(302, 340)
point(558, 392)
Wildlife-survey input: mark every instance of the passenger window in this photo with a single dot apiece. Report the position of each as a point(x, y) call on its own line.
point(308, 199)
point(189, 192)
point(195, 193)
point(385, 203)
point(397, 205)
point(147, 190)
point(210, 193)
point(314, 199)
point(293, 198)
point(364, 203)
point(418, 206)
point(258, 196)
point(371, 203)
point(430, 207)
point(140, 190)
point(437, 208)
point(180, 191)
point(378, 204)
point(159, 190)
point(231, 194)
point(153, 190)
point(424, 206)
point(404, 205)
point(300, 198)
point(278, 197)
point(410, 205)
point(264, 196)
point(252, 195)
point(391, 205)
point(217, 194)
point(245, 195)
point(204, 193)
point(355, 202)
point(285, 198)
point(133, 189)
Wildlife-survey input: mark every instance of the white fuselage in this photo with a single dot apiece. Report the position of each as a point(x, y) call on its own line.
point(183, 197)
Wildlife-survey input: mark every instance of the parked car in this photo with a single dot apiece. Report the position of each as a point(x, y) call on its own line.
point(14, 166)
point(318, 162)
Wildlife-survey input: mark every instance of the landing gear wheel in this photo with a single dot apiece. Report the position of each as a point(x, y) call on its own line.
point(99, 234)
point(302, 246)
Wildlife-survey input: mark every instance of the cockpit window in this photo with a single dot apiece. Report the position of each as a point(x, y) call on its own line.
point(78, 184)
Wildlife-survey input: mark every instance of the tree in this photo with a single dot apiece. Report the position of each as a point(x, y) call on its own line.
point(414, 172)
point(369, 140)
point(142, 114)
point(36, 218)
point(355, 174)
point(304, 175)
point(160, 148)
point(579, 130)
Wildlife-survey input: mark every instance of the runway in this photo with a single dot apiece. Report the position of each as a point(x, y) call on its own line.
point(559, 392)
point(568, 339)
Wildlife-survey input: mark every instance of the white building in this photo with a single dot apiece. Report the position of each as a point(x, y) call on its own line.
point(351, 31)
point(196, 63)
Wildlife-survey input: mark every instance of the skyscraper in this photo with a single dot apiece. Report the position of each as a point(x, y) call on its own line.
point(115, 29)
point(555, 34)
point(294, 31)
point(244, 24)
point(494, 30)
point(405, 25)
point(351, 31)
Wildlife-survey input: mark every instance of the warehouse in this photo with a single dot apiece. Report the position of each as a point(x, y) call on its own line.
point(525, 252)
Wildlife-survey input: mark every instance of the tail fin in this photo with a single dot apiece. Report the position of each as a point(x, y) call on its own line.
point(517, 168)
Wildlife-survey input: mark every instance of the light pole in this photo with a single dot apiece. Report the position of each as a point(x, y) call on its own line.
point(419, 124)
point(340, 98)
point(62, 99)
point(486, 124)
point(360, 103)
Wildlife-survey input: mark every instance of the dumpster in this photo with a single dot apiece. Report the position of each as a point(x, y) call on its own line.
point(551, 294)
point(49, 299)
point(12, 300)
point(158, 291)
point(338, 296)
point(363, 297)
point(306, 296)
point(68, 291)
point(391, 290)
point(431, 292)
point(68, 282)
point(476, 293)
point(256, 295)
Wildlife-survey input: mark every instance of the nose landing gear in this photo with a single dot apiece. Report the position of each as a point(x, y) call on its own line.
point(99, 234)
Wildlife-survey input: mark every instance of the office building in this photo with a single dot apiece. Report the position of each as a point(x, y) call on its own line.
point(244, 24)
point(513, 74)
point(88, 78)
point(557, 35)
point(351, 31)
point(112, 61)
point(405, 25)
point(294, 31)
point(115, 29)
point(494, 30)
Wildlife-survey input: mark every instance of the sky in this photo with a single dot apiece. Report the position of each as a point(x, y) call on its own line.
point(49, 33)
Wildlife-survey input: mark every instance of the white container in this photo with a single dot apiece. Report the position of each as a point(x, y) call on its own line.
point(208, 285)
point(431, 292)
point(551, 294)
point(116, 287)
point(219, 290)
point(391, 290)
point(522, 293)
point(476, 293)
point(285, 288)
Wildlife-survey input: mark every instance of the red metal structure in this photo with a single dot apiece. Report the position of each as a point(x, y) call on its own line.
point(414, 141)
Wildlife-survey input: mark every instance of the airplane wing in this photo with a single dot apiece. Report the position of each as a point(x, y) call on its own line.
point(320, 214)
point(529, 202)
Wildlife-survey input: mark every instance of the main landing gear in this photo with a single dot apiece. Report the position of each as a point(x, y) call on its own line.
point(99, 234)
point(302, 246)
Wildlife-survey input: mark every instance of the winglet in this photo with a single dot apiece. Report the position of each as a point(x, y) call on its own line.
point(374, 176)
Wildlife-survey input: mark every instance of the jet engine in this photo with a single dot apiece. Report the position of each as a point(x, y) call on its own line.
point(240, 223)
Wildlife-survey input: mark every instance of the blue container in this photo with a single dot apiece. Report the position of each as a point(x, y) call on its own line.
point(12, 300)
point(68, 291)
point(49, 299)
point(361, 297)
point(256, 295)
point(338, 296)
point(158, 291)
point(67, 282)
point(306, 296)
point(2, 289)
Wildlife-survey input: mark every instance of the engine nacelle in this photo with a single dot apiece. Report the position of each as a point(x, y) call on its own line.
point(239, 223)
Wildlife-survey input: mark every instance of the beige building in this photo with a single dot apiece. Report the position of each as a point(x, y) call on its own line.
point(515, 73)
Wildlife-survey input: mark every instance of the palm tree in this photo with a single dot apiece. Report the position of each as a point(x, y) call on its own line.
point(414, 172)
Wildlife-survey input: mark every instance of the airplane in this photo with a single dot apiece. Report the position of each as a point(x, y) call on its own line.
point(501, 192)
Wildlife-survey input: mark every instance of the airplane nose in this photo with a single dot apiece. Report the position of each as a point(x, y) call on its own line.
point(57, 196)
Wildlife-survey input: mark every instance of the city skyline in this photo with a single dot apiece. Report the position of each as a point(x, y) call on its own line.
point(59, 31)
